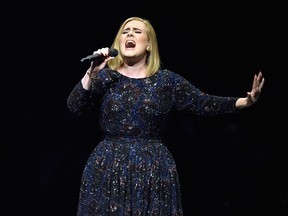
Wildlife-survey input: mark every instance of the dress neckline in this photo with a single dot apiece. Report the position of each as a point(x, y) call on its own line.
point(140, 78)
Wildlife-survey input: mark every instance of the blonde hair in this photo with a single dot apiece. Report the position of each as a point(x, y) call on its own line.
point(153, 58)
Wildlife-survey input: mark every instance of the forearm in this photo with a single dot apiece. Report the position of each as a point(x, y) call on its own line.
point(78, 100)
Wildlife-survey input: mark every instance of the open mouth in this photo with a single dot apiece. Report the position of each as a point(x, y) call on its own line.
point(130, 44)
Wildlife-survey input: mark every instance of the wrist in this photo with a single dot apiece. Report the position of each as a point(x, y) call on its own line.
point(90, 74)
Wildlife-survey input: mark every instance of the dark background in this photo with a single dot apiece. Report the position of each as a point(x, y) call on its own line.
point(228, 165)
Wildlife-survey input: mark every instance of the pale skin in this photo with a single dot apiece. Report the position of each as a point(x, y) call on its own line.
point(133, 45)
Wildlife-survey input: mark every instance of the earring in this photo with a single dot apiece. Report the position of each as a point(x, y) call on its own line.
point(148, 49)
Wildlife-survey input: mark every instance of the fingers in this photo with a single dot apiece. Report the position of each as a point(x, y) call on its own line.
point(102, 51)
point(258, 81)
point(261, 80)
point(100, 63)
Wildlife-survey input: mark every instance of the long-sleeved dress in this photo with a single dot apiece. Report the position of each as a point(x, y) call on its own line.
point(131, 171)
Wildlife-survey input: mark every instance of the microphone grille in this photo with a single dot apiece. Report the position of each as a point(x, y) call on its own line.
point(113, 52)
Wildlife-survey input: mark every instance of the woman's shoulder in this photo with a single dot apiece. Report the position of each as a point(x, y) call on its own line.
point(171, 74)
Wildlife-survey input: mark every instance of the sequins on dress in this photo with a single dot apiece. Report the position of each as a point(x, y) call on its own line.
point(131, 172)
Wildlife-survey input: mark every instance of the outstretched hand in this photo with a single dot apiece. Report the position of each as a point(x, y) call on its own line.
point(254, 94)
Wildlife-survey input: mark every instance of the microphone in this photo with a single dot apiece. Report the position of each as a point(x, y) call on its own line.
point(97, 57)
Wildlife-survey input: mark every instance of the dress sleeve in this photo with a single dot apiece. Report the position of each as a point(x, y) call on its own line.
point(191, 99)
point(81, 100)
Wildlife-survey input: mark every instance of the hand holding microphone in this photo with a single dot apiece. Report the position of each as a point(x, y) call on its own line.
point(99, 59)
point(100, 55)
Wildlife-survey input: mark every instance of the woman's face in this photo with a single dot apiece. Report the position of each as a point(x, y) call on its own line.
point(134, 40)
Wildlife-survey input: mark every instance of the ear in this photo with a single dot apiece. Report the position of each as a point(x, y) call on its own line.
point(148, 47)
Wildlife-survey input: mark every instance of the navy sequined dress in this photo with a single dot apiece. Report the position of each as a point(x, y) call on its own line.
point(131, 172)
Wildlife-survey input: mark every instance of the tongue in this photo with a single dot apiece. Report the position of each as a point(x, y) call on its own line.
point(130, 44)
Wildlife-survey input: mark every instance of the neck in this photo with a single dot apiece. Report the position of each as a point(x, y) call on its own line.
point(137, 70)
